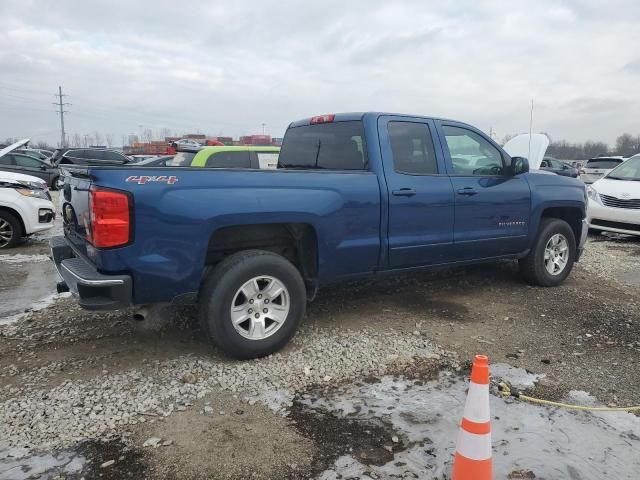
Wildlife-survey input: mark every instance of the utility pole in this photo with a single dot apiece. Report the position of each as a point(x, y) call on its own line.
point(61, 111)
point(263, 125)
point(530, 126)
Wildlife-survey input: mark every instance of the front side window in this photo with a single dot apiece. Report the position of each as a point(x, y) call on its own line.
point(24, 161)
point(412, 148)
point(332, 146)
point(223, 159)
point(471, 154)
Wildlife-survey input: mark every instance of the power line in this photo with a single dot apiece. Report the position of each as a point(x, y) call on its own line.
point(62, 111)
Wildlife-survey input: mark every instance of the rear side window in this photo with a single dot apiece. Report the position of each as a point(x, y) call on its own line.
point(182, 159)
point(606, 164)
point(239, 159)
point(331, 146)
point(6, 160)
point(412, 148)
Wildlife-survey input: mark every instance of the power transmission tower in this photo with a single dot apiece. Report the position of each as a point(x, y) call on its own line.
point(62, 111)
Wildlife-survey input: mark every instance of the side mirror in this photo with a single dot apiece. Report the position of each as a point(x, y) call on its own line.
point(519, 165)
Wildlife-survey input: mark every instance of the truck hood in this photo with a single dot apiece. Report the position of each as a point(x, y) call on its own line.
point(534, 151)
point(13, 146)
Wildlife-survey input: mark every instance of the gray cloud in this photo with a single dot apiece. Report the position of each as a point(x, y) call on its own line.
point(222, 67)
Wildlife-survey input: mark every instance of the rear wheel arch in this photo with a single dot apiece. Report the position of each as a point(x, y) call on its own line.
point(297, 242)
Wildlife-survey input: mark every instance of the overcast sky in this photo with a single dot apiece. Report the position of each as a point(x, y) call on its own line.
point(227, 67)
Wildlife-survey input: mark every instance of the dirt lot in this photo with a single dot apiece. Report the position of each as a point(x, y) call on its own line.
point(92, 395)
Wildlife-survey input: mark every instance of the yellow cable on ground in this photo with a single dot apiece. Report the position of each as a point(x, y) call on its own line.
point(507, 392)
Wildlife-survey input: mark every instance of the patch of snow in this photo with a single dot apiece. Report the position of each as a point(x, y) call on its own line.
point(21, 258)
point(550, 442)
point(517, 377)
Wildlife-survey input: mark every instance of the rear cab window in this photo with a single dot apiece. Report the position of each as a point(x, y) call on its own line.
point(327, 146)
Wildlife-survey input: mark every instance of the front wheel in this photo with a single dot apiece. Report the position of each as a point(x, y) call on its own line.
point(10, 230)
point(252, 303)
point(551, 259)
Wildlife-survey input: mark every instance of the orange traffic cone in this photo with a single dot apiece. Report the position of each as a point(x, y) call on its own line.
point(473, 447)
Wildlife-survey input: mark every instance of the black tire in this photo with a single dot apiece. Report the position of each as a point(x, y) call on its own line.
point(218, 293)
point(11, 226)
point(532, 266)
point(54, 183)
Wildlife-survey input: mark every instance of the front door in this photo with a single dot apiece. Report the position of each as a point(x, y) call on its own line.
point(420, 223)
point(492, 207)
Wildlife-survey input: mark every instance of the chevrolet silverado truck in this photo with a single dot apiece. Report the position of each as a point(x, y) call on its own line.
point(354, 195)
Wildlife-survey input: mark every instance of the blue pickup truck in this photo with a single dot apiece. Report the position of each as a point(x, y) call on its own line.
point(354, 195)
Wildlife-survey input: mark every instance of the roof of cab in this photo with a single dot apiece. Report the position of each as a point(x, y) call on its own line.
point(354, 116)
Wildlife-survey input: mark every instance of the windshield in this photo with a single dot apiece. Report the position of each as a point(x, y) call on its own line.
point(629, 170)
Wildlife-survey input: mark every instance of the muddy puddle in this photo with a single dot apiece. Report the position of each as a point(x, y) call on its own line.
point(418, 423)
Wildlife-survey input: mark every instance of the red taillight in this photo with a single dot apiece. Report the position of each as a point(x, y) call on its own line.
point(322, 119)
point(110, 220)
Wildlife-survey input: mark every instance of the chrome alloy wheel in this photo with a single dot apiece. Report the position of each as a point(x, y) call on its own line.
point(6, 233)
point(556, 254)
point(260, 307)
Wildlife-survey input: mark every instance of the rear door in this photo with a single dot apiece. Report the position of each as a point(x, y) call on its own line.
point(421, 203)
point(31, 166)
point(492, 208)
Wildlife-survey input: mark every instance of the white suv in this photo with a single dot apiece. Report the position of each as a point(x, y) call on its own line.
point(25, 207)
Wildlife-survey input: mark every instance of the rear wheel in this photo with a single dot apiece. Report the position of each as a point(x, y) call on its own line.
point(252, 303)
point(10, 230)
point(54, 183)
point(552, 256)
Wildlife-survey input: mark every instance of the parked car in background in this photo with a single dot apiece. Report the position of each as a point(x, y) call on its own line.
point(25, 207)
point(614, 201)
point(598, 167)
point(11, 161)
point(242, 156)
point(354, 195)
point(162, 161)
point(88, 156)
point(186, 143)
point(559, 167)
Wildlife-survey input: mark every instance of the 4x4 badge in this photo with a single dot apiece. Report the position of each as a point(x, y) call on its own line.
point(142, 179)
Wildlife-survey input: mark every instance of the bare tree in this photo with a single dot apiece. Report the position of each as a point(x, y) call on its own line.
point(627, 145)
point(147, 135)
point(164, 133)
point(97, 136)
point(109, 139)
point(76, 140)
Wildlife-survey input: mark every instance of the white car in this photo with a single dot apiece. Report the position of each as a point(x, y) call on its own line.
point(25, 207)
point(614, 201)
point(598, 167)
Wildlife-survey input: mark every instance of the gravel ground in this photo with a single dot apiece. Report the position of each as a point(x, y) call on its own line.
point(92, 386)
